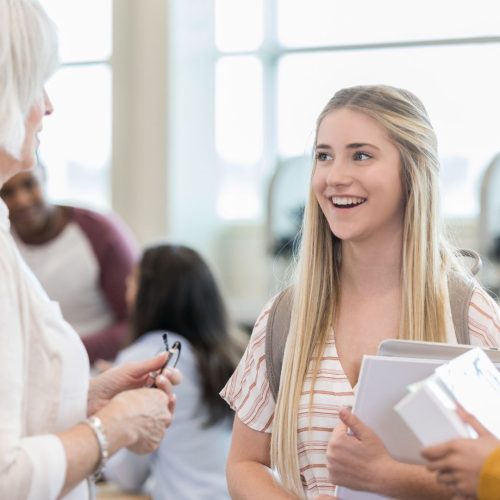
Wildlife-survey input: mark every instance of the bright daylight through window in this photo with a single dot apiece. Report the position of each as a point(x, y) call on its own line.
point(279, 61)
point(76, 140)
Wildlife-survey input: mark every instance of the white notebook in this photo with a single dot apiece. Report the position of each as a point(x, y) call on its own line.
point(471, 380)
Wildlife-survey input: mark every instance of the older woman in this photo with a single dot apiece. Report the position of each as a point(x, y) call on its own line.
point(56, 427)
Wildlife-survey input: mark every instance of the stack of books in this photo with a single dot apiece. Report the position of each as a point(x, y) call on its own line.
point(408, 394)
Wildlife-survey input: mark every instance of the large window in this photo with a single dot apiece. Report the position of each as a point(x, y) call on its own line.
point(279, 61)
point(76, 140)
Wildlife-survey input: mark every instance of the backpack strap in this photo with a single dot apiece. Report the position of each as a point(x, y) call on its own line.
point(278, 324)
point(460, 290)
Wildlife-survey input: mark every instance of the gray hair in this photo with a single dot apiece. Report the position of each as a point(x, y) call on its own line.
point(28, 56)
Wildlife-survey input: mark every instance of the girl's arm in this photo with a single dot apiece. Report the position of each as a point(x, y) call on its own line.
point(248, 466)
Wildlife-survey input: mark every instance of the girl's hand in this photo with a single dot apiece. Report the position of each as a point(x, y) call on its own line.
point(358, 460)
point(458, 462)
point(131, 376)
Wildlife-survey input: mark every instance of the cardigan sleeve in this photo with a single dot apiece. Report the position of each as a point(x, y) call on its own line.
point(32, 467)
point(489, 480)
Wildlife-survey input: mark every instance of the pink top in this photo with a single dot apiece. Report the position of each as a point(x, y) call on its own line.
point(248, 392)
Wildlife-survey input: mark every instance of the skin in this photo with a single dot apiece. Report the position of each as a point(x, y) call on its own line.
point(133, 416)
point(354, 159)
point(357, 159)
point(248, 470)
point(359, 460)
point(371, 233)
point(10, 165)
point(458, 462)
point(34, 219)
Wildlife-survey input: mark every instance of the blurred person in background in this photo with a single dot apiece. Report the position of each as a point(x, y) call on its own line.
point(173, 290)
point(82, 259)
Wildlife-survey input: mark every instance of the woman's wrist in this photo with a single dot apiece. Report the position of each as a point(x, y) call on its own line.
point(119, 432)
point(95, 423)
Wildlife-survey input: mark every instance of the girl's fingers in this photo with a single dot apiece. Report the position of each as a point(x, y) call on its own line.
point(437, 452)
point(471, 420)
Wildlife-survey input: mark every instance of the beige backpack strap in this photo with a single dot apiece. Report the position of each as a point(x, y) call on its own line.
point(476, 258)
point(460, 290)
point(278, 324)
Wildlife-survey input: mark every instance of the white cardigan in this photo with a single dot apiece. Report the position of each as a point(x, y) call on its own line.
point(44, 377)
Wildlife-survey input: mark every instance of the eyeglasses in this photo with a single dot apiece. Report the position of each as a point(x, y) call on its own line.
point(174, 351)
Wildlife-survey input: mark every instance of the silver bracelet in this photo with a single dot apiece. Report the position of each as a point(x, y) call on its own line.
point(95, 424)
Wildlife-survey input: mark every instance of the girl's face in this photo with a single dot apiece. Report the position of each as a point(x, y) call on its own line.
point(132, 287)
point(357, 177)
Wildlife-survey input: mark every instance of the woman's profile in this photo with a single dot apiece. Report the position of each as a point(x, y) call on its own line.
point(58, 426)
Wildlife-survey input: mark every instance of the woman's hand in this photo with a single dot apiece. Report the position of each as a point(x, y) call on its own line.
point(138, 418)
point(131, 376)
point(458, 463)
point(358, 460)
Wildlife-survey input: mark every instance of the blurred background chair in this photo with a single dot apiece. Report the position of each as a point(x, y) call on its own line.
point(489, 225)
point(286, 199)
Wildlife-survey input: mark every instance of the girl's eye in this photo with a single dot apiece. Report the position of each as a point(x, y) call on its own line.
point(359, 155)
point(320, 156)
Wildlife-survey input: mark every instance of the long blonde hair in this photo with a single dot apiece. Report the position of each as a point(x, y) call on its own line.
point(425, 261)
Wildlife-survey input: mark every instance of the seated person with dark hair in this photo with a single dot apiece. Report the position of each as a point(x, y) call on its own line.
point(81, 258)
point(173, 290)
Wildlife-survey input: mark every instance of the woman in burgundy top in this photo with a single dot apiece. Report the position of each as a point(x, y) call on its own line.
point(81, 257)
